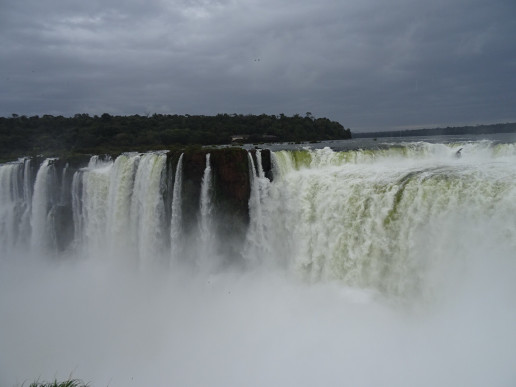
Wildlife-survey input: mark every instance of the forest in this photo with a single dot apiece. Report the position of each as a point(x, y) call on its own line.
point(457, 131)
point(84, 134)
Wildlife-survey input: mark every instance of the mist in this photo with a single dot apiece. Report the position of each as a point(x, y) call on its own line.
point(113, 326)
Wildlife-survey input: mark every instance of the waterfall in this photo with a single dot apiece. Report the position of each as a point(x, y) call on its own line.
point(65, 188)
point(24, 231)
point(256, 245)
point(148, 207)
point(15, 204)
point(176, 213)
point(93, 209)
point(122, 208)
point(10, 204)
point(78, 220)
point(206, 247)
point(368, 218)
point(383, 223)
point(27, 180)
point(43, 200)
point(121, 215)
point(393, 262)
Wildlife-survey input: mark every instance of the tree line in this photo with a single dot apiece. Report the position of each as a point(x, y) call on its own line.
point(82, 133)
point(456, 131)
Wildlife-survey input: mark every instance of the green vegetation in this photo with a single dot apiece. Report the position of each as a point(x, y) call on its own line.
point(55, 383)
point(84, 134)
point(458, 131)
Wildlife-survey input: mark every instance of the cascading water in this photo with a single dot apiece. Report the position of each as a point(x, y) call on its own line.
point(381, 223)
point(176, 217)
point(147, 206)
point(122, 206)
point(256, 246)
point(355, 216)
point(24, 230)
point(43, 201)
point(395, 266)
point(206, 237)
point(94, 205)
point(76, 192)
point(362, 217)
point(120, 216)
point(12, 204)
point(27, 180)
point(65, 188)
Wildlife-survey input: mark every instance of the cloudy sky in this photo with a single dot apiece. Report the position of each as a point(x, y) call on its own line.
point(369, 64)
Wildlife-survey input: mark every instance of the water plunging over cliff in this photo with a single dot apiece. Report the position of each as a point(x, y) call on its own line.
point(177, 213)
point(378, 266)
point(365, 217)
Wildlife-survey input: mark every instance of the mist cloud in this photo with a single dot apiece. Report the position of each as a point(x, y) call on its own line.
point(109, 326)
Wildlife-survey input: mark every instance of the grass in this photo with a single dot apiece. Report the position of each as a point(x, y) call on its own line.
point(55, 383)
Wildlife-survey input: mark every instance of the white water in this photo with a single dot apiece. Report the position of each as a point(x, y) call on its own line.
point(122, 207)
point(256, 245)
point(10, 205)
point(392, 267)
point(76, 192)
point(120, 217)
point(206, 237)
point(383, 220)
point(94, 206)
point(41, 222)
point(24, 230)
point(177, 213)
point(148, 208)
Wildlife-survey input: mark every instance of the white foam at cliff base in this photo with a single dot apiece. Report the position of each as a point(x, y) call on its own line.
point(120, 328)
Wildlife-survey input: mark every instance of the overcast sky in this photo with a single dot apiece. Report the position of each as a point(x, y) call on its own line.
point(369, 64)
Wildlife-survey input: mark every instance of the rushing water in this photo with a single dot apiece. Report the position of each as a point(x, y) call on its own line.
point(380, 263)
point(176, 213)
point(256, 246)
point(205, 253)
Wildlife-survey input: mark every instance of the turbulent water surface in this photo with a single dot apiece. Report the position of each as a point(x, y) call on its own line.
point(370, 263)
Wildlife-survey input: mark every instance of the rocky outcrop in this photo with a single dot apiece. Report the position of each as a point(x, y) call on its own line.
point(231, 191)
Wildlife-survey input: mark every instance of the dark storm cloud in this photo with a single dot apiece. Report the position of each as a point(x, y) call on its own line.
point(369, 64)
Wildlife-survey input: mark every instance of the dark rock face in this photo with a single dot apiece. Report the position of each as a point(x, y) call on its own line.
point(230, 174)
point(230, 194)
point(231, 178)
point(63, 224)
point(232, 190)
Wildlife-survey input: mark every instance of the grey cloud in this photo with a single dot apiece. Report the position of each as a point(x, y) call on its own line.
point(369, 64)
